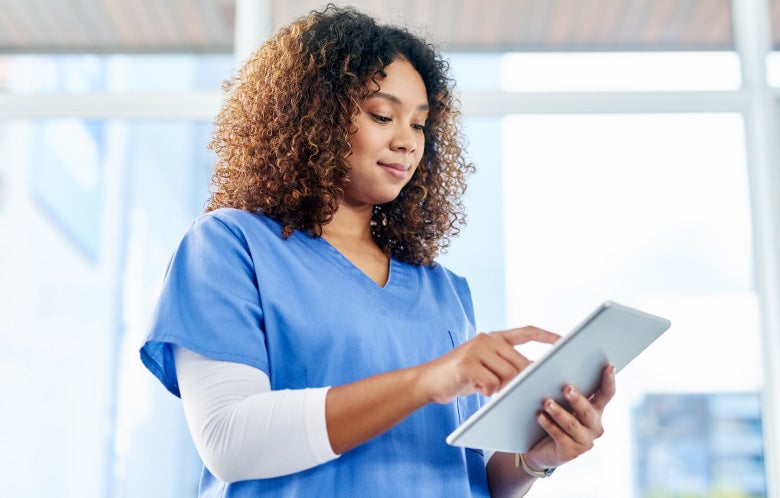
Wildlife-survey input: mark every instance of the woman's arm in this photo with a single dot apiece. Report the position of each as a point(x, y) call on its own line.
point(569, 434)
point(242, 430)
point(361, 410)
point(505, 479)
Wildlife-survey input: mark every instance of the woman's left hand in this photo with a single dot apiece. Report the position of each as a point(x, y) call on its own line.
point(571, 433)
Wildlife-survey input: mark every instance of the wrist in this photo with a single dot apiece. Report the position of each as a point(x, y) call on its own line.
point(532, 459)
point(418, 388)
point(427, 383)
point(531, 468)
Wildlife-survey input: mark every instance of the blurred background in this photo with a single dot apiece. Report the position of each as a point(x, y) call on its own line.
point(626, 150)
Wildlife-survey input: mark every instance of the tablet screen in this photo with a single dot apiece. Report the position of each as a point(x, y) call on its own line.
point(613, 334)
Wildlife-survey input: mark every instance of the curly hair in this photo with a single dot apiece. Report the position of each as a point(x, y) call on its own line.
point(282, 136)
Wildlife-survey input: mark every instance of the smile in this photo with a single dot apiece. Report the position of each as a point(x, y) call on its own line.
point(397, 170)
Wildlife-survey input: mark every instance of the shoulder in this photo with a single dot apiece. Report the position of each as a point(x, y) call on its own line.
point(442, 279)
point(445, 290)
point(235, 224)
point(458, 284)
point(238, 221)
point(442, 272)
point(227, 231)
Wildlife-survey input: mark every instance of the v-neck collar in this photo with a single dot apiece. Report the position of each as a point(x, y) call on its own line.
point(345, 263)
point(400, 278)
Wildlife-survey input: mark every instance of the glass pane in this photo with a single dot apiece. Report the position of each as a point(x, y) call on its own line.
point(651, 211)
point(112, 73)
point(620, 71)
point(773, 68)
point(476, 72)
point(90, 212)
point(167, 174)
point(477, 253)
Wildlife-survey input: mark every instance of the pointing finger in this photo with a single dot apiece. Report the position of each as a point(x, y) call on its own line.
point(523, 335)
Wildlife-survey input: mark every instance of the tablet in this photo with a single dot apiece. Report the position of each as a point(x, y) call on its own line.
point(612, 334)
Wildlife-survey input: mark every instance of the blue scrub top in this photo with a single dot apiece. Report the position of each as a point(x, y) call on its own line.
point(304, 314)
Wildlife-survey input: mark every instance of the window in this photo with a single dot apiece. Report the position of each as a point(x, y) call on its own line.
point(90, 212)
point(651, 211)
point(648, 209)
point(638, 199)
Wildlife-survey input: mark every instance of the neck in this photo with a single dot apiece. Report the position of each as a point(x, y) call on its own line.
point(350, 222)
point(349, 232)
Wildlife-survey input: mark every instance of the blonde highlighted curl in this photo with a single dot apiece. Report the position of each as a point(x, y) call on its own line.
point(282, 136)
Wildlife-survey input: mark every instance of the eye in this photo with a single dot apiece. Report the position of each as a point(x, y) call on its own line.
point(419, 127)
point(381, 119)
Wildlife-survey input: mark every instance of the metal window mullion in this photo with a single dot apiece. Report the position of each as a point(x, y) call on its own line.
point(204, 105)
point(498, 103)
point(752, 35)
point(253, 25)
point(190, 105)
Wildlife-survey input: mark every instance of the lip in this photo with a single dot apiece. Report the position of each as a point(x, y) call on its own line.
point(397, 170)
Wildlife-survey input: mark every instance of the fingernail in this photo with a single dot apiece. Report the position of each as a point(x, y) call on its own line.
point(548, 404)
point(569, 392)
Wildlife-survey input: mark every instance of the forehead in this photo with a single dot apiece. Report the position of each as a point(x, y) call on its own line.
point(402, 84)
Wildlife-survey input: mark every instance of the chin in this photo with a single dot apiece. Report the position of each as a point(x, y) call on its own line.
point(388, 198)
point(375, 197)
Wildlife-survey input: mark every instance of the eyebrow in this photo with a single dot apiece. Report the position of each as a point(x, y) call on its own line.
point(395, 100)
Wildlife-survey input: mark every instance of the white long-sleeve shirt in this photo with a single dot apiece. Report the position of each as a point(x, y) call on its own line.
point(244, 430)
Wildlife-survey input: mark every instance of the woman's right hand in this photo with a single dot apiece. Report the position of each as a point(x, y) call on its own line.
point(482, 365)
point(358, 411)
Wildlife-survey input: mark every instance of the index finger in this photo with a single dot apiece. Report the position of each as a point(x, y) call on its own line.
point(526, 334)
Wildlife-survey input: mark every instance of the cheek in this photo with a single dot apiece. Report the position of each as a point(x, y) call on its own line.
point(362, 142)
point(420, 152)
point(418, 161)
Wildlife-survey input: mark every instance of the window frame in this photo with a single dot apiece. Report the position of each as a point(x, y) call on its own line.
point(755, 100)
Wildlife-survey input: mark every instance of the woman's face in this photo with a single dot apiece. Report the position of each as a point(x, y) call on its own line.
point(389, 142)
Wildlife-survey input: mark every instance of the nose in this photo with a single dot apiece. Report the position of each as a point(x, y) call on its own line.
point(404, 139)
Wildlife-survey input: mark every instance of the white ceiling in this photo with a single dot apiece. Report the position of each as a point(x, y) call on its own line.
point(207, 25)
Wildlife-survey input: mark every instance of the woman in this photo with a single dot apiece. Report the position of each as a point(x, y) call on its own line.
point(317, 347)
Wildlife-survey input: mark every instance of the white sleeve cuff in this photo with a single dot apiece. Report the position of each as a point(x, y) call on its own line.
point(316, 425)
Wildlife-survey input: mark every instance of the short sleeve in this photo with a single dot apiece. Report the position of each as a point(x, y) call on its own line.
point(464, 292)
point(209, 303)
